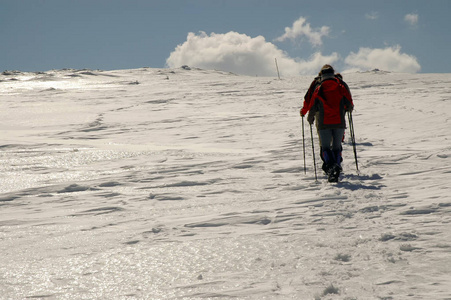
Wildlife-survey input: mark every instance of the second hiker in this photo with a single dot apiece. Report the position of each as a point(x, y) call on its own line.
point(327, 101)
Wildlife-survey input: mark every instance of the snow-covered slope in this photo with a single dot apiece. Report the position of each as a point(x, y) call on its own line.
point(190, 184)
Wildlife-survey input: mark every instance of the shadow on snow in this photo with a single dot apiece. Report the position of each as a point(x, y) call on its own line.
point(360, 182)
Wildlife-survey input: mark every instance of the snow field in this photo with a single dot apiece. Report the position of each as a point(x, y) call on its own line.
point(189, 184)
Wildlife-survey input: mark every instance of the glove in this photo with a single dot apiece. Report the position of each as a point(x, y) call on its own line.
point(311, 118)
point(303, 112)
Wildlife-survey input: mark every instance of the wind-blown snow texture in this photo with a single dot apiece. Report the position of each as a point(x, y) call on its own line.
point(189, 184)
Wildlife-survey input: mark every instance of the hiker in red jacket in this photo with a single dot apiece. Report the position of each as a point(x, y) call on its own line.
point(328, 104)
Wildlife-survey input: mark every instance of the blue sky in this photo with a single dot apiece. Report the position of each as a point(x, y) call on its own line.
point(242, 36)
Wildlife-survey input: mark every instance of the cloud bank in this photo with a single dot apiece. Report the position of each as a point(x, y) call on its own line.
point(389, 59)
point(242, 54)
point(301, 28)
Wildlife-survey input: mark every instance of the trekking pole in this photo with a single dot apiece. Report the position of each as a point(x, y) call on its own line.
point(351, 127)
point(303, 144)
point(313, 150)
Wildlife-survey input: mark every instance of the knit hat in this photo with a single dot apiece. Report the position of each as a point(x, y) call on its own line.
point(327, 69)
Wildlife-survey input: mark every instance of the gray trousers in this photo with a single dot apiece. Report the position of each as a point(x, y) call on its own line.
point(330, 141)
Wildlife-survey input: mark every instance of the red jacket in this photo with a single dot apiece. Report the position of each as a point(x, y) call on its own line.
point(331, 99)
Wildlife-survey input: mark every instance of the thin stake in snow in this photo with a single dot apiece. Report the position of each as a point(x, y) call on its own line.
point(277, 68)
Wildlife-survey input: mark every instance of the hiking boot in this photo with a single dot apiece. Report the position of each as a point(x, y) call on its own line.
point(334, 173)
point(325, 168)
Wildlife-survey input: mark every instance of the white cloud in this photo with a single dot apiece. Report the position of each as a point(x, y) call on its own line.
point(301, 28)
point(372, 15)
point(411, 19)
point(388, 59)
point(242, 54)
